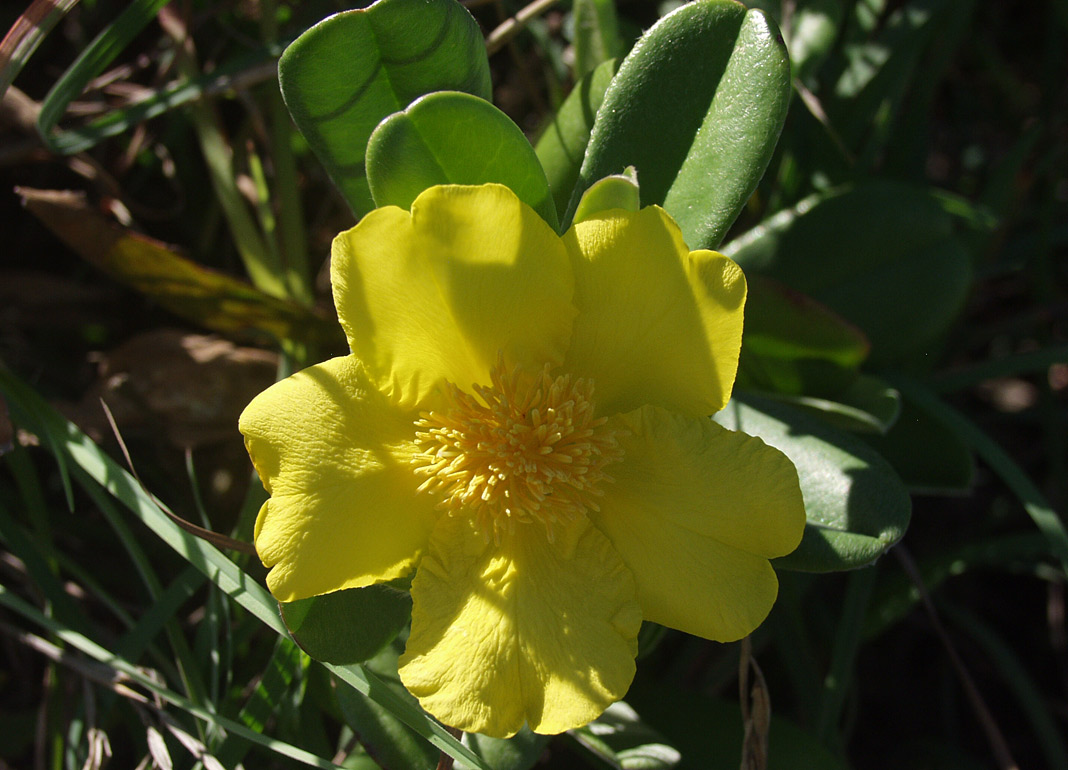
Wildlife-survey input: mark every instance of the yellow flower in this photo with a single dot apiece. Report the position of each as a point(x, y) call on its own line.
point(523, 422)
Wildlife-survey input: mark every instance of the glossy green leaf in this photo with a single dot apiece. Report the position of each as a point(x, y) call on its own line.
point(883, 255)
point(520, 752)
point(384, 736)
point(596, 35)
point(562, 144)
point(619, 191)
point(857, 507)
point(348, 626)
point(696, 108)
point(620, 738)
point(866, 405)
point(453, 138)
point(348, 72)
point(925, 452)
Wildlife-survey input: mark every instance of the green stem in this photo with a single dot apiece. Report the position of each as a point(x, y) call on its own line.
point(846, 643)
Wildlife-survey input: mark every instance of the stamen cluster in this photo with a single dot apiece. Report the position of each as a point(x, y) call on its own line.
point(524, 449)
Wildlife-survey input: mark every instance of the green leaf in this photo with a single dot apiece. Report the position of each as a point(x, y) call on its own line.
point(867, 405)
point(792, 344)
point(520, 752)
point(619, 191)
point(596, 37)
point(347, 626)
point(926, 452)
point(696, 108)
point(348, 72)
point(786, 324)
point(622, 739)
point(563, 142)
point(882, 254)
point(453, 138)
point(90, 63)
point(856, 505)
point(383, 736)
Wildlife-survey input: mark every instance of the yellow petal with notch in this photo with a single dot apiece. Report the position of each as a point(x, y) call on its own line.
point(696, 511)
point(335, 455)
point(657, 324)
point(524, 631)
point(436, 294)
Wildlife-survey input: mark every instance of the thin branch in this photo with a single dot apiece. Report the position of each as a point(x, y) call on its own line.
point(507, 29)
point(998, 744)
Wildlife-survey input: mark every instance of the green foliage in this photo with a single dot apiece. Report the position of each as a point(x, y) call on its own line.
point(563, 140)
point(347, 73)
point(901, 236)
point(857, 507)
point(696, 109)
point(348, 626)
point(453, 138)
point(883, 255)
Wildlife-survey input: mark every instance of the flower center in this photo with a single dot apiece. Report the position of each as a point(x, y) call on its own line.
point(525, 449)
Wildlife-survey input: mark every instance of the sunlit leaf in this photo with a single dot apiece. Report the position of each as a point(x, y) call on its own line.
point(563, 141)
point(619, 191)
point(696, 108)
point(857, 507)
point(453, 138)
point(348, 72)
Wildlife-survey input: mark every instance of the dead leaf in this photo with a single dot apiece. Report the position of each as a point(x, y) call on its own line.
point(217, 301)
point(190, 388)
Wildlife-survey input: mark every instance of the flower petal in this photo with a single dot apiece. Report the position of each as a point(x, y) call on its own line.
point(527, 630)
point(436, 294)
point(334, 454)
point(696, 511)
point(657, 324)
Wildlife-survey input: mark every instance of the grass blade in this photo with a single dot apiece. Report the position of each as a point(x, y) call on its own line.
point(1033, 501)
point(32, 413)
point(26, 34)
point(92, 61)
